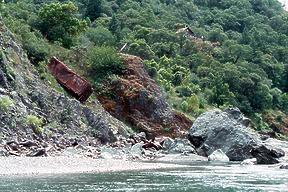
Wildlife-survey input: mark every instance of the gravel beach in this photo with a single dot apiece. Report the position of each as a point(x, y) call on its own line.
point(64, 165)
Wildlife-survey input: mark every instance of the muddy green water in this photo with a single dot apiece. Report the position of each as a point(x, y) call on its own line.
point(204, 177)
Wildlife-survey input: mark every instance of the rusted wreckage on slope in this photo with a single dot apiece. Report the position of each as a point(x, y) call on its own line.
point(189, 33)
point(77, 86)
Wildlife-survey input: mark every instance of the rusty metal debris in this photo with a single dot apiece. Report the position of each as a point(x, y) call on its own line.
point(77, 86)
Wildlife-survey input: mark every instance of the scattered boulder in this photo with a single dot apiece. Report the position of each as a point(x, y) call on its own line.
point(28, 143)
point(152, 145)
point(252, 161)
point(39, 152)
point(167, 143)
point(138, 137)
point(229, 131)
point(178, 146)
point(3, 152)
point(284, 166)
point(137, 150)
point(218, 156)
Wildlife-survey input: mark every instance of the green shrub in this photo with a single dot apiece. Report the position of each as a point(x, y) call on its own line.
point(141, 49)
point(104, 61)
point(184, 91)
point(168, 129)
point(37, 49)
point(184, 106)
point(193, 103)
point(36, 123)
point(259, 123)
point(6, 103)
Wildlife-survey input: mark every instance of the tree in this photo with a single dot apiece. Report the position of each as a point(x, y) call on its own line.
point(261, 98)
point(141, 49)
point(94, 9)
point(114, 25)
point(1, 5)
point(58, 22)
point(217, 35)
point(100, 36)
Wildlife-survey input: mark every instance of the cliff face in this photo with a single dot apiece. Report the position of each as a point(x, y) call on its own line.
point(30, 110)
point(35, 119)
point(138, 100)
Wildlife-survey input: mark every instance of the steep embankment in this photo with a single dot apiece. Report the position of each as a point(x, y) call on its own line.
point(139, 101)
point(35, 119)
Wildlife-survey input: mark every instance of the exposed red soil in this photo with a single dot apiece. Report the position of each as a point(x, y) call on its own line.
point(138, 100)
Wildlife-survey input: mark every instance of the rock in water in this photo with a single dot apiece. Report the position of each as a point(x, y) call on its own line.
point(229, 131)
point(267, 154)
point(284, 166)
point(137, 149)
point(219, 156)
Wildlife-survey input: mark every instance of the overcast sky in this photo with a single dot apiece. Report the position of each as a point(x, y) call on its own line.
point(285, 2)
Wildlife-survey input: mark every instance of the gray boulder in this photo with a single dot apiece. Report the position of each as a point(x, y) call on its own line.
point(229, 131)
point(284, 166)
point(178, 146)
point(252, 161)
point(3, 152)
point(218, 156)
point(266, 154)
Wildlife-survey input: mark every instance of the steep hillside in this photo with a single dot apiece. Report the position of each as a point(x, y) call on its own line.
point(138, 100)
point(34, 113)
point(203, 54)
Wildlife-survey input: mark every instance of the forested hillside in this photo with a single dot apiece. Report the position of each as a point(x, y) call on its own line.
point(203, 53)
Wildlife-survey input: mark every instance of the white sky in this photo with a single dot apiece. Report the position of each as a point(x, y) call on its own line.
point(285, 2)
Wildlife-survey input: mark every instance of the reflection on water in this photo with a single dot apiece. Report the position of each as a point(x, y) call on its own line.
point(202, 177)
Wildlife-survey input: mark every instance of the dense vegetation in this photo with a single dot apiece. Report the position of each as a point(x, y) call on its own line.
point(238, 57)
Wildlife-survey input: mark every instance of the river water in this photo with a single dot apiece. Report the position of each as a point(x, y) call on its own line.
point(199, 176)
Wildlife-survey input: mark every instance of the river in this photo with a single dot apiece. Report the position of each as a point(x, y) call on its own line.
point(199, 176)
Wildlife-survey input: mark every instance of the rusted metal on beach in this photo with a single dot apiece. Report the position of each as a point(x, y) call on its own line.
point(76, 85)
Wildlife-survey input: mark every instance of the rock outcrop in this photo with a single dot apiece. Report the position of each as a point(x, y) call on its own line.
point(229, 131)
point(30, 110)
point(139, 101)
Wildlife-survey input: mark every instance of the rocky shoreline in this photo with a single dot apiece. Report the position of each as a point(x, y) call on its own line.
point(220, 136)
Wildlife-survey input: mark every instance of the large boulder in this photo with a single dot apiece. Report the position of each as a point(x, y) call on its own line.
point(229, 131)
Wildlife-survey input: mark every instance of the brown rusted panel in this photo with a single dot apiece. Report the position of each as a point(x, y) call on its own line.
point(77, 86)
